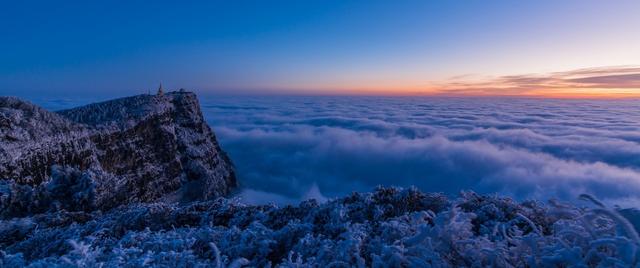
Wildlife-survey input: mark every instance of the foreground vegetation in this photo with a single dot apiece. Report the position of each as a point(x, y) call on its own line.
point(389, 227)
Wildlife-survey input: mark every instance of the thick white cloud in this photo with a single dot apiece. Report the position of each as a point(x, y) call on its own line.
point(526, 148)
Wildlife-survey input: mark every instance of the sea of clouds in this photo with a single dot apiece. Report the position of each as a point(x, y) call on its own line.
point(290, 148)
point(287, 149)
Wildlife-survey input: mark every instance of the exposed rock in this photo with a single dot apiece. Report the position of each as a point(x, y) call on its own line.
point(137, 149)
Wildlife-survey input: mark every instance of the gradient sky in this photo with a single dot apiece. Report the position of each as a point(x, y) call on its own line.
point(530, 48)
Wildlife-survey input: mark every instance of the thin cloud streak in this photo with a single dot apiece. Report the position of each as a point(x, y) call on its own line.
point(617, 81)
point(599, 82)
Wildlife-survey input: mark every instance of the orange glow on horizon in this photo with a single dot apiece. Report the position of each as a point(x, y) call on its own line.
point(422, 91)
point(602, 83)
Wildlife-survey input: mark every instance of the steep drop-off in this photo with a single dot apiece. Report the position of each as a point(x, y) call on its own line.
point(137, 149)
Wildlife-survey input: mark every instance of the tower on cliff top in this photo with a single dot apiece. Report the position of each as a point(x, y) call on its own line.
point(160, 91)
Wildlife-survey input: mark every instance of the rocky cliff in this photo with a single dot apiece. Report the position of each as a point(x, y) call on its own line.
point(137, 149)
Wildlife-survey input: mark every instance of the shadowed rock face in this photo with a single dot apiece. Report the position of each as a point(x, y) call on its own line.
point(137, 149)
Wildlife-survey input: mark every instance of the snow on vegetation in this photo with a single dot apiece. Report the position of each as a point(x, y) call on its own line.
point(55, 225)
point(77, 214)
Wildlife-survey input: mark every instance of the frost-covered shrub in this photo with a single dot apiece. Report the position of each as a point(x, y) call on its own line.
point(389, 227)
point(66, 189)
point(490, 210)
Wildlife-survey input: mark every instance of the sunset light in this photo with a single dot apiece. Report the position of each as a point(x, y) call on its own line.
point(320, 133)
point(517, 48)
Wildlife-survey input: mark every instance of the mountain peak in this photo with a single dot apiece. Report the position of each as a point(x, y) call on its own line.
point(141, 148)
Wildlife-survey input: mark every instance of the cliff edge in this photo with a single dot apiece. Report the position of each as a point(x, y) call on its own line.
point(142, 148)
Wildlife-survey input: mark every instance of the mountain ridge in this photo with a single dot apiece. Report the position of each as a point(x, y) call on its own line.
point(142, 148)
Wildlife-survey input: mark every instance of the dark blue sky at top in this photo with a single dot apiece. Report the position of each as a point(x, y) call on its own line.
point(121, 47)
point(62, 53)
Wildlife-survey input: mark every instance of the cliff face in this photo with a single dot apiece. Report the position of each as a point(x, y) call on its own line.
point(137, 149)
point(33, 139)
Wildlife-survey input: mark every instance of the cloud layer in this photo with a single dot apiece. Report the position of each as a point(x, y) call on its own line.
point(286, 148)
point(620, 81)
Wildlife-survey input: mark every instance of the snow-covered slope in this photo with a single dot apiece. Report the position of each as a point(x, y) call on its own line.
point(94, 187)
point(137, 149)
point(32, 139)
point(387, 228)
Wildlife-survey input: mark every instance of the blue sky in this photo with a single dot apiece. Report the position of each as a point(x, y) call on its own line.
point(125, 47)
